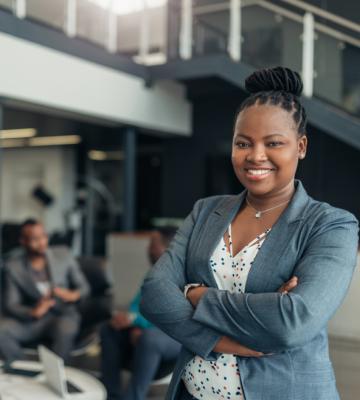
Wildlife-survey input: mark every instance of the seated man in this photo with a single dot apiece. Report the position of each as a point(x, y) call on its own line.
point(129, 336)
point(41, 288)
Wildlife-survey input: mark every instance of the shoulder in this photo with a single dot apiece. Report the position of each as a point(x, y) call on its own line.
point(326, 212)
point(322, 216)
point(61, 253)
point(15, 262)
point(208, 204)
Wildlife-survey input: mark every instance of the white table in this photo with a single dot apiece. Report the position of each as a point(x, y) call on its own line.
point(14, 387)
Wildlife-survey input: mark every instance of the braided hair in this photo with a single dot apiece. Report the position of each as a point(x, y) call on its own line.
point(278, 86)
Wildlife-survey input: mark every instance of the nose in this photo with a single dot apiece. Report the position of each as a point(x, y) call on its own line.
point(256, 154)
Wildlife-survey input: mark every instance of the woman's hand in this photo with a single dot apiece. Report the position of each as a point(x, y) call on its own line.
point(194, 294)
point(229, 346)
point(289, 285)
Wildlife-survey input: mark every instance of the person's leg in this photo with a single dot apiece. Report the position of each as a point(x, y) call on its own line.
point(64, 329)
point(14, 333)
point(115, 352)
point(153, 346)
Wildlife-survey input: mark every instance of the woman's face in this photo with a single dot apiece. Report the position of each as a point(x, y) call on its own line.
point(266, 149)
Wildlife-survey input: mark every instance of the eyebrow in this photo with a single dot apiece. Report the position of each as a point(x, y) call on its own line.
point(266, 137)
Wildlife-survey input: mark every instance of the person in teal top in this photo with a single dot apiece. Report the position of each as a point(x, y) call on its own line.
point(129, 338)
point(133, 312)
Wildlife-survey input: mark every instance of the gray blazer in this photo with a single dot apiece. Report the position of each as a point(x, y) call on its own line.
point(20, 292)
point(312, 240)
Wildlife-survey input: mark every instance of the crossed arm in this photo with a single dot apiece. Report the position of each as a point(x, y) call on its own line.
point(264, 322)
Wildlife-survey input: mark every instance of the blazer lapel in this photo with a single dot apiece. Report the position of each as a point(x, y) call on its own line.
point(214, 228)
point(21, 272)
point(276, 242)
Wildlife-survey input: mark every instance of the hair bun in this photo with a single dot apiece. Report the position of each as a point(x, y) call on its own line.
point(280, 79)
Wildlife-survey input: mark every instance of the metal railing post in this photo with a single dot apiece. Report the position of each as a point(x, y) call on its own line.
point(144, 36)
point(234, 43)
point(20, 8)
point(112, 28)
point(185, 49)
point(70, 23)
point(308, 55)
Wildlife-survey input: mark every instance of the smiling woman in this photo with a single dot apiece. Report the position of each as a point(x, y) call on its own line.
point(250, 281)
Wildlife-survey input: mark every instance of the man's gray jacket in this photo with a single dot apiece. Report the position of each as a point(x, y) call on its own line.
point(20, 291)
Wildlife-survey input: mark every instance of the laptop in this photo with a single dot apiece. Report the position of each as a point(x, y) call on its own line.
point(54, 371)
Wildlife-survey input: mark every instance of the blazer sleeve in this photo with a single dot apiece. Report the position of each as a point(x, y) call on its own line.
point(163, 302)
point(13, 302)
point(77, 278)
point(272, 322)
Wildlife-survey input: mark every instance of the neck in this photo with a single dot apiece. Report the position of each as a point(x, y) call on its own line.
point(262, 202)
point(35, 258)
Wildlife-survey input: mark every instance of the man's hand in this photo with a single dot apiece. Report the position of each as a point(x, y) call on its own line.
point(194, 294)
point(229, 346)
point(289, 285)
point(120, 320)
point(135, 334)
point(66, 295)
point(42, 307)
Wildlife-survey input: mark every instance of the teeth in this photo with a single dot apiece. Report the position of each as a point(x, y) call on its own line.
point(258, 171)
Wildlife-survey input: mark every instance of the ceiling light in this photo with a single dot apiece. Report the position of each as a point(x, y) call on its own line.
point(8, 143)
point(99, 155)
point(55, 140)
point(17, 133)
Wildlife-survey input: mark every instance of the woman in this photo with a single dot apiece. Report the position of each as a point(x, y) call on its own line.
point(272, 263)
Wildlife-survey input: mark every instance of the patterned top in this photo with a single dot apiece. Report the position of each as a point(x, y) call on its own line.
point(220, 379)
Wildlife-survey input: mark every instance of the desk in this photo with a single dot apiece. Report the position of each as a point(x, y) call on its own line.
point(14, 387)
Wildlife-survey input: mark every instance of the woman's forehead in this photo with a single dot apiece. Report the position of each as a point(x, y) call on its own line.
point(264, 119)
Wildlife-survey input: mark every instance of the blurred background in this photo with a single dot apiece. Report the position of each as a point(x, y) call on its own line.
point(117, 115)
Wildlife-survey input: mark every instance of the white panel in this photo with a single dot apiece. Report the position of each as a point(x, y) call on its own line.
point(128, 263)
point(39, 75)
point(23, 169)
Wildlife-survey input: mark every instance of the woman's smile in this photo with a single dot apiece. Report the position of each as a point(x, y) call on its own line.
point(258, 174)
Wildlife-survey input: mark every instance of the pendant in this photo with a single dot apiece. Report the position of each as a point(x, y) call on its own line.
point(258, 214)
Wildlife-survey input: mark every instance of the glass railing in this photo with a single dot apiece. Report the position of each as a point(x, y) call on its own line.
point(53, 15)
point(269, 39)
point(337, 72)
point(258, 33)
point(143, 34)
point(92, 22)
point(269, 35)
point(208, 38)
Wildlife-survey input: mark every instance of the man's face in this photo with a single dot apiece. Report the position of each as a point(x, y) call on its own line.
point(34, 239)
point(156, 247)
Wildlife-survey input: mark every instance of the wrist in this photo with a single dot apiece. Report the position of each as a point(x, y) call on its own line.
point(191, 286)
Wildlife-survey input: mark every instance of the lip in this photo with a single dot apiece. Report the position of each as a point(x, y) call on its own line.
point(258, 177)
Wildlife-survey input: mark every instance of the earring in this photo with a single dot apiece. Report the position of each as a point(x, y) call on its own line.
point(302, 156)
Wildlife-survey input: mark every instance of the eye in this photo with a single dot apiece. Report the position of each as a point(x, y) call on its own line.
point(242, 145)
point(275, 144)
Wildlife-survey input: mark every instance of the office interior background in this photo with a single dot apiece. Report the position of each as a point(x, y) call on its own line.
point(116, 116)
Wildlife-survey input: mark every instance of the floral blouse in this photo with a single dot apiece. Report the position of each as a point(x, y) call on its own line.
point(220, 379)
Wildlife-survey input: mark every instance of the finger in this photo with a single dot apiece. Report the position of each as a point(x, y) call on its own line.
point(291, 285)
point(255, 354)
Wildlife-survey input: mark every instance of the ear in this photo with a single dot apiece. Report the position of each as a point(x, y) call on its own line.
point(302, 146)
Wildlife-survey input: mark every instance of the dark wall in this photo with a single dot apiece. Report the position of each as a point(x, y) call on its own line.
point(200, 166)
